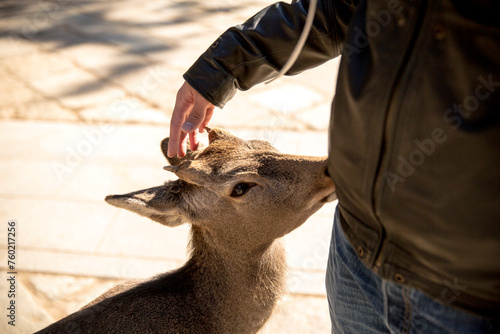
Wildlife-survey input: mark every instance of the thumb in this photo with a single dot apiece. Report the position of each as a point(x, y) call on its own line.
point(194, 119)
point(199, 113)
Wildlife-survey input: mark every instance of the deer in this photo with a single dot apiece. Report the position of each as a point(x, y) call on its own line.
point(240, 197)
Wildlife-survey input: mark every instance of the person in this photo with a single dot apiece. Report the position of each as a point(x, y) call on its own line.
point(414, 151)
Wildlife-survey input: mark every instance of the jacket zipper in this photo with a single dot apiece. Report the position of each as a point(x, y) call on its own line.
point(388, 125)
point(383, 162)
point(378, 260)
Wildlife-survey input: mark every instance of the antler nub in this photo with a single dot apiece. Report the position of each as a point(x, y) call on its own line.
point(171, 168)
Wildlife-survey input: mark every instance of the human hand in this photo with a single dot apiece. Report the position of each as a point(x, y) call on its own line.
point(191, 114)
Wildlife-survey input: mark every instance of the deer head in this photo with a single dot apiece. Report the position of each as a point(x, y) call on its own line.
point(241, 194)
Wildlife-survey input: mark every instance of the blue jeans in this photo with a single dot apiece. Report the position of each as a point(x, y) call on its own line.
point(362, 303)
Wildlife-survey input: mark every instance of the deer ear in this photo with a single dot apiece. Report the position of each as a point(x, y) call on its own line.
point(175, 161)
point(160, 204)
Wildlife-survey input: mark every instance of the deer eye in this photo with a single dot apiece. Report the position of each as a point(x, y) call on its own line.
point(241, 189)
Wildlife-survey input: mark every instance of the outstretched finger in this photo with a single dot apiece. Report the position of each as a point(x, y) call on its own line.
point(193, 140)
point(181, 149)
point(181, 110)
point(208, 116)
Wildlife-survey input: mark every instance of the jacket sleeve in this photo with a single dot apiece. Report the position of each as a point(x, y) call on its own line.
point(254, 51)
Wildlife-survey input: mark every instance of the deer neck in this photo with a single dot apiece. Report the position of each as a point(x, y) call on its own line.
point(248, 284)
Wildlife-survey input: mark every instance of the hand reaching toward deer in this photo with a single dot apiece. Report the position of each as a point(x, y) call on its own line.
point(190, 116)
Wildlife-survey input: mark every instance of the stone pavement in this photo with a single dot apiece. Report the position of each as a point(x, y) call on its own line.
point(86, 92)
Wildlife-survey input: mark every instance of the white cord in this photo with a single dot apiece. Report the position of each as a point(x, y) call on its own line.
point(300, 43)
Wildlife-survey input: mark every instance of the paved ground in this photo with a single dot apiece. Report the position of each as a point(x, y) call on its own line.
point(86, 92)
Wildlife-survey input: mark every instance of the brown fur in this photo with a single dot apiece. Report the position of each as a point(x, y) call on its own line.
point(236, 271)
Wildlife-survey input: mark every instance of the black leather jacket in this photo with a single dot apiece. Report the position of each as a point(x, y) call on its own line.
point(414, 133)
